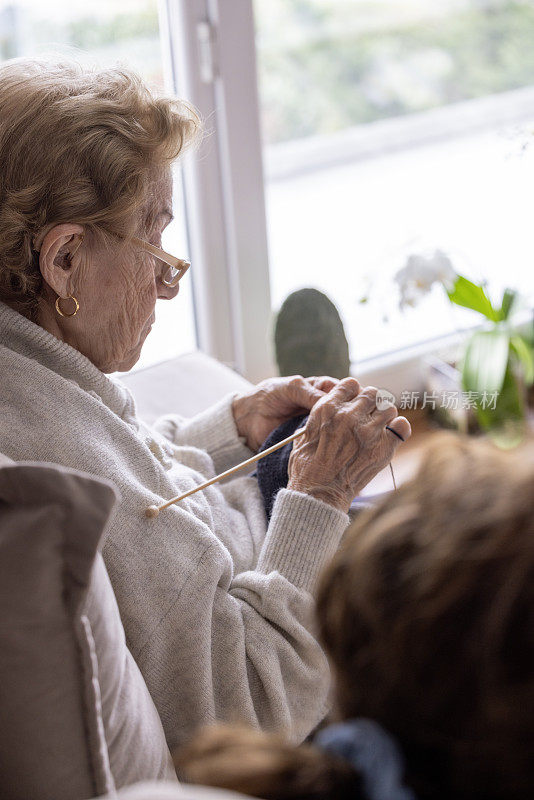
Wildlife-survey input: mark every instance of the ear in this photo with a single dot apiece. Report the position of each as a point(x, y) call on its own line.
point(57, 253)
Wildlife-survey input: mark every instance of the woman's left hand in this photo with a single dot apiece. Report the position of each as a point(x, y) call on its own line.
point(274, 401)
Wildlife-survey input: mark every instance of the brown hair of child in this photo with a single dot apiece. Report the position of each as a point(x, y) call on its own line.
point(264, 765)
point(427, 615)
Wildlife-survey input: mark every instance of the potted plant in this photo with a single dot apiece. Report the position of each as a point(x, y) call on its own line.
point(498, 359)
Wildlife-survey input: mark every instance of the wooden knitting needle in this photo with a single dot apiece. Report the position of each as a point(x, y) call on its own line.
point(153, 511)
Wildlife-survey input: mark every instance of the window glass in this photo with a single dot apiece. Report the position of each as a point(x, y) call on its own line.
point(107, 33)
point(394, 127)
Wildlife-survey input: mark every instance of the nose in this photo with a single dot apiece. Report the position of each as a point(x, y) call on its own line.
point(165, 292)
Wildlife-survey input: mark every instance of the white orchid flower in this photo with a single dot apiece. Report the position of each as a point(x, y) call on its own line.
point(419, 275)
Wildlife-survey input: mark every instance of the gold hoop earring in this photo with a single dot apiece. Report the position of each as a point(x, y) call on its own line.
point(62, 313)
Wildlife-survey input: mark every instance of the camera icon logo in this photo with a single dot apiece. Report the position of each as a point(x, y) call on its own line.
point(384, 400)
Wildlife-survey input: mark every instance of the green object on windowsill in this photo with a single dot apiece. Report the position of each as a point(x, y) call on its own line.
point(497, 361)
point(309, 337)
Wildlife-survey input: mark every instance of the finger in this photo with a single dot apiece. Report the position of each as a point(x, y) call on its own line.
point(302, 393)
point(385, 415)
point(400, 428)
point(394, 432)
point(324, 383)
point(347, 389)
point(367, 399)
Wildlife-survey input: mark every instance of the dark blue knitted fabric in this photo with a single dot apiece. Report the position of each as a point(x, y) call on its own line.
point(271, 471)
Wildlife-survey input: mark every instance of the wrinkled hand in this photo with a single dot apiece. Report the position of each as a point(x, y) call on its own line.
point(345, 444)
point(274, 401)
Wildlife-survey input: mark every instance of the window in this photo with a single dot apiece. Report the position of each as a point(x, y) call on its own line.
point(106, 33)
point(390, 127)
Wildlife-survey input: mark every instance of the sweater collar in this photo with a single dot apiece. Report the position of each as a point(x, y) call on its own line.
point(27, 339)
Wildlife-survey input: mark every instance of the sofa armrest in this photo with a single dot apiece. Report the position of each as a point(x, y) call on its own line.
point(185, 385)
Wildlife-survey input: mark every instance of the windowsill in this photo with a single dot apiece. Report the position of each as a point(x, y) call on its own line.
point(407, 369)
point(301, 156)
point(403, 370)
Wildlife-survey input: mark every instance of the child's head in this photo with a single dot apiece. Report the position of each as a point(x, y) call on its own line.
point(427, 615)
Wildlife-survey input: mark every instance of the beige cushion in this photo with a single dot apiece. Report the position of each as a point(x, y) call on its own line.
point(185, 385)
point(51, 735)
point(72, 701)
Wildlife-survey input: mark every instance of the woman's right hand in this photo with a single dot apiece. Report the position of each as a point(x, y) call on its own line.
point(345, 444)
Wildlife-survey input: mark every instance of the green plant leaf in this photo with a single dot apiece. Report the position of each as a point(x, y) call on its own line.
point(506, 422)
point(470, 295)
point(485, 361)
point(508, 300)
point(525, 354)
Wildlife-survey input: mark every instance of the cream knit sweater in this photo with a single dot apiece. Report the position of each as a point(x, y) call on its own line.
point(216, 606)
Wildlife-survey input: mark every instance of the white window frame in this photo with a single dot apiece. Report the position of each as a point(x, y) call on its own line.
point(224, 182)
point(224, 179)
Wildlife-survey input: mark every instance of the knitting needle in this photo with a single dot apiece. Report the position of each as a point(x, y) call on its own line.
point(390, 464)
point(153, 511)
point(393, 476)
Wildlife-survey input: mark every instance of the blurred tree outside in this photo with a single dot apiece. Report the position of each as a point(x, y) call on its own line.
point(326, 65)
point(103, 32)
point(8, 31)
point(87, 35)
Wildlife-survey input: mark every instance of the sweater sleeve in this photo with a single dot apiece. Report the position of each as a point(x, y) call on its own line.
point(213, 430)
point(248, 652)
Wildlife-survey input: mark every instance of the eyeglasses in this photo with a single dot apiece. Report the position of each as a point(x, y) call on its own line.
point(177, 267)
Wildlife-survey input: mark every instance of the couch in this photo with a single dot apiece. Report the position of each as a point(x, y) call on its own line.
point(76, 718)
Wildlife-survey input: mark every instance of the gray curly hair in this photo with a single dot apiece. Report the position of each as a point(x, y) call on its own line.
point(77, 145)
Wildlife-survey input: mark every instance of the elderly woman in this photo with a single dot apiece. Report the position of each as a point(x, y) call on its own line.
point(215, 602)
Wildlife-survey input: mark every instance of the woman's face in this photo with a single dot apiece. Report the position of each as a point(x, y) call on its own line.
point(117, 291)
